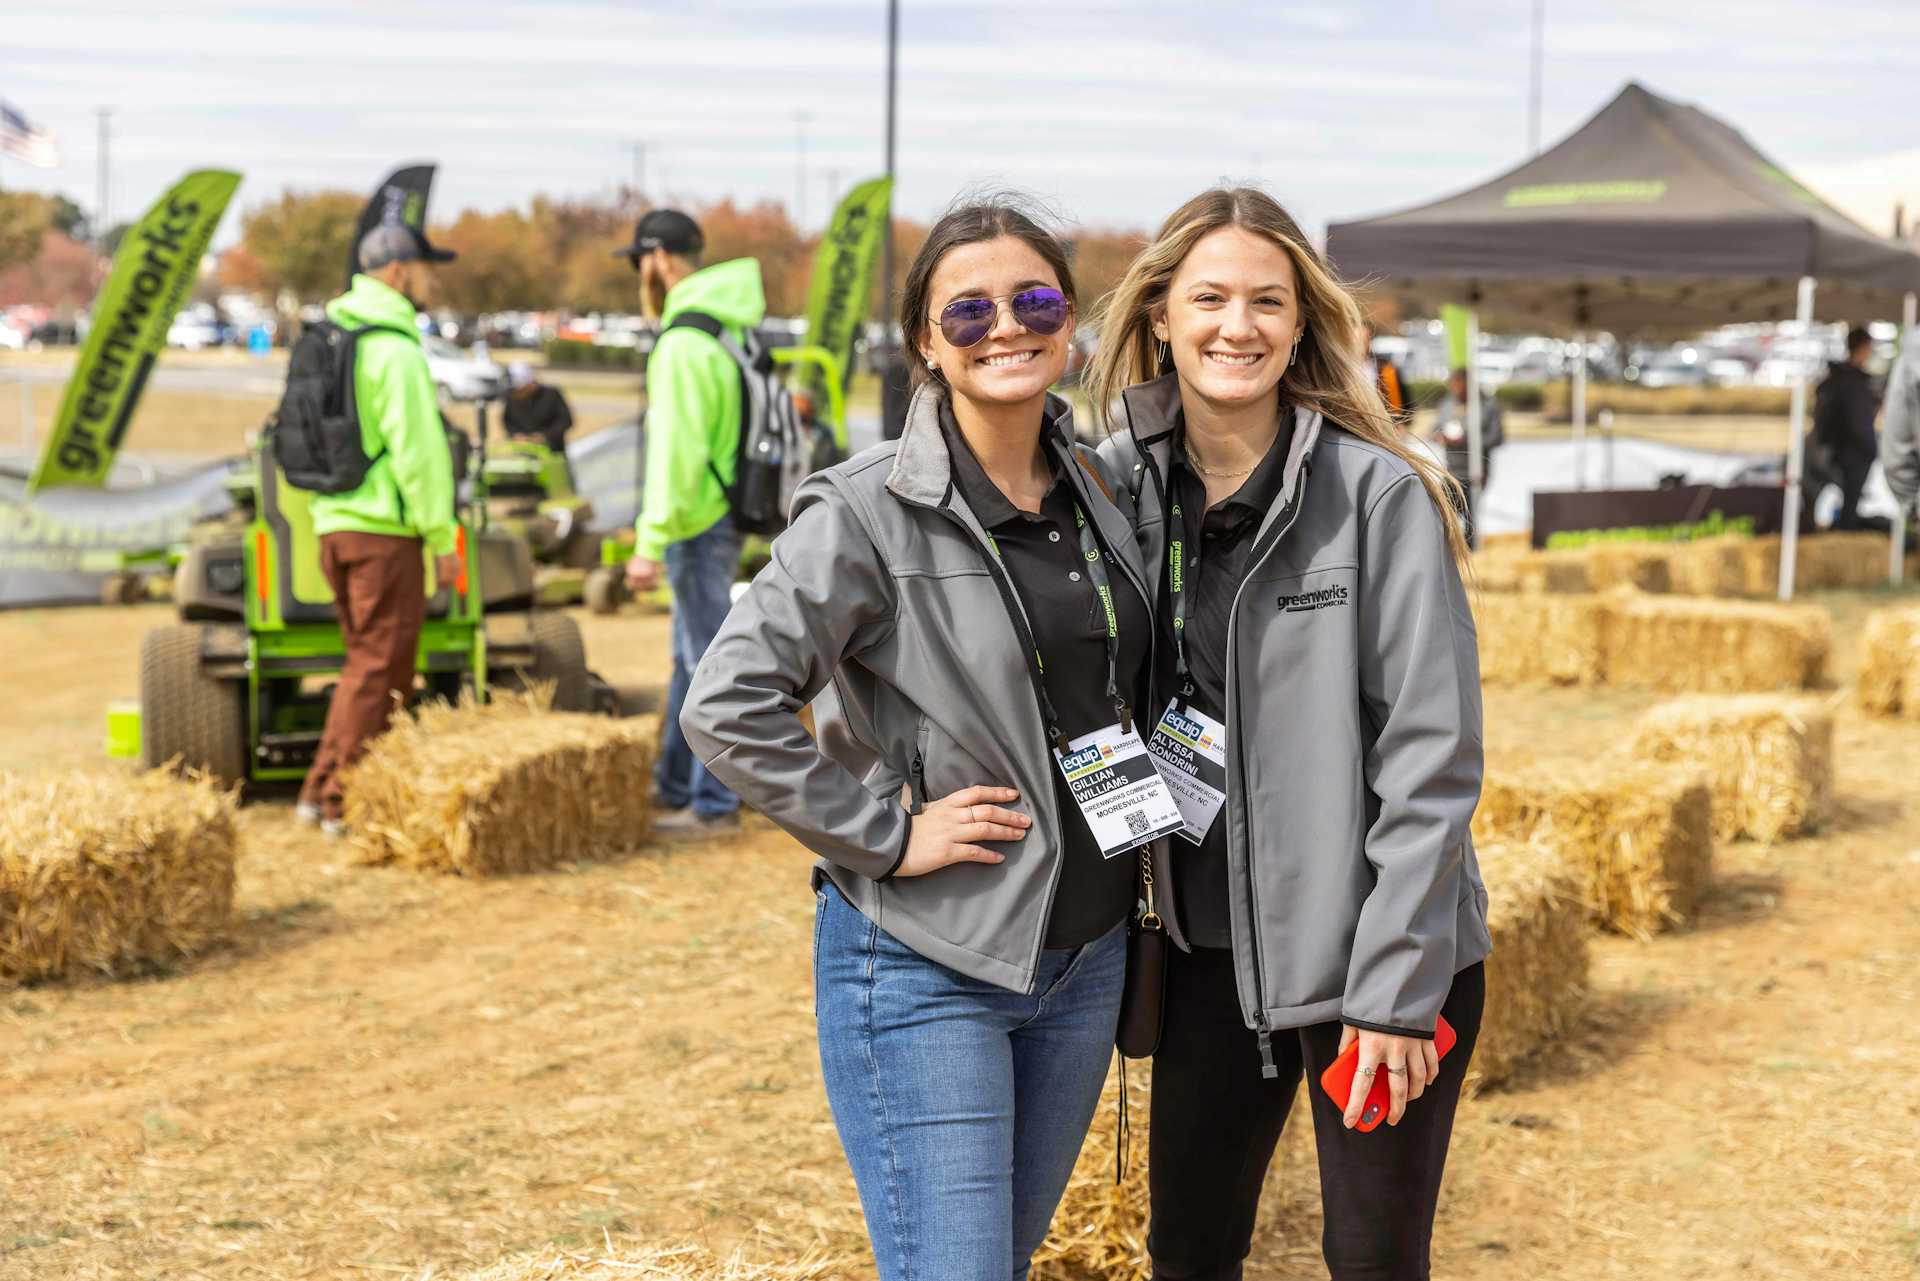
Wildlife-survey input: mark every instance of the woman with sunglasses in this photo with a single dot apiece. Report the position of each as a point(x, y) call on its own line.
point(969, 609)
point(1321, 695)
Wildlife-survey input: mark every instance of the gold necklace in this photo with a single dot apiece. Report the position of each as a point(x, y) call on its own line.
point(1204, 470)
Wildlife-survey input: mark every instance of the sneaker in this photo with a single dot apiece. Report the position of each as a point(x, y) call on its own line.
point(306, 814)
point(687, 825)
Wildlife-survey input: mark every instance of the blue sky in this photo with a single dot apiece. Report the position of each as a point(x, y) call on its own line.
point(1112, 110)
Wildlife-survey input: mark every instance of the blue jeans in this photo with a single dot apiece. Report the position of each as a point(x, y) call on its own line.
point(961, 1105)
point(700, 570)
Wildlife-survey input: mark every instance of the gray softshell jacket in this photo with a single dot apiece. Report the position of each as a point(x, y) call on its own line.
point(1900, 430)
point(878, 607)
point(1353, 733)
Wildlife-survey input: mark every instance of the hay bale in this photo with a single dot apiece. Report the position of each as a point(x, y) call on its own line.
point(1840, 560)
point(1769, 758)
point(1537, 974)
point(506, 787)
point(1889, 683)
point(112, 875)
point(1637, 839)
point(674, 1263)
point(1694, 646)
point(1710, 566)
point(1641, 566)
point(1496, 571)
point(1541, 639)
point(1760, 566)
point(1100, 1227)
point(1511, 540)
point(1562, 572)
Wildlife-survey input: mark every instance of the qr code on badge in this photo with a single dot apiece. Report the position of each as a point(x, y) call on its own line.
point(1136, 822)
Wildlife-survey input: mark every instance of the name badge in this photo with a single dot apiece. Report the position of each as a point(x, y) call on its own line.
point(1112, 778)
point(1190, 747)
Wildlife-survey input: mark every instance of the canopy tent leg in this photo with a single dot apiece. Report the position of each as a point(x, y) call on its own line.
point(1476, 470)
point(1796, 445)
point(1580, 410)
point(1897, 552)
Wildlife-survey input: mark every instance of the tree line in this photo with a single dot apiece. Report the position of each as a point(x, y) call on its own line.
point(553, 254)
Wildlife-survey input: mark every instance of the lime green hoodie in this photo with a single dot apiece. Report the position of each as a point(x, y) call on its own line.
point(408, 491)
point(693, 407)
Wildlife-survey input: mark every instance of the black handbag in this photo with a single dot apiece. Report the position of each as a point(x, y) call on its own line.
point(1143, 998)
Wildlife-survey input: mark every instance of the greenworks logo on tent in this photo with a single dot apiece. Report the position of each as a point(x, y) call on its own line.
point(1586, 193)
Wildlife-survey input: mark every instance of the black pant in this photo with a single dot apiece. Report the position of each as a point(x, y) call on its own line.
point(1216, 1121)
point(1852, 472)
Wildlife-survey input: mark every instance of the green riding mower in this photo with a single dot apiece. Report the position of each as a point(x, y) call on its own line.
point(239, 686)
point(530, 493)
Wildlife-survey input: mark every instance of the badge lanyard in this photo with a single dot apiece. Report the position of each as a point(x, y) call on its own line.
point(1177, 567)
point(1095, 560)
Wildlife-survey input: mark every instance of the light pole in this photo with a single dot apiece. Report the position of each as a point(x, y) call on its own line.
point(1533, 98)
point(886, 241)
point(100, 199)
point(800, 119)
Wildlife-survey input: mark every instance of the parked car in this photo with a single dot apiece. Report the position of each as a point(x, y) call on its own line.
point(191, 332)
point(462, 375)
point(1681, 367)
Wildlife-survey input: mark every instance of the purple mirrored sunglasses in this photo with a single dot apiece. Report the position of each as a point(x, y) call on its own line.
point(966, 321)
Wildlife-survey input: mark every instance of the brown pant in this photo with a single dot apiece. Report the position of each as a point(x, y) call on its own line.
point(379, 590)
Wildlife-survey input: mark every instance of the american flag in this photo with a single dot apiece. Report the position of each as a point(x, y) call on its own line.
point(26, 141)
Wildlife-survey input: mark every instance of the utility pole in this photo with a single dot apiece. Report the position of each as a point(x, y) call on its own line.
point(800, 119)
point(886, 242)
point(1533, 96)
point(101, 211)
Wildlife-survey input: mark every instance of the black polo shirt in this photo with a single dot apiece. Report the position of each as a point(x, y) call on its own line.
point(1041, 552)
point(1212, 577)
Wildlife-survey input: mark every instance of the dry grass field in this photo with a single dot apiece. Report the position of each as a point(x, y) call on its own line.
point(387, 1073)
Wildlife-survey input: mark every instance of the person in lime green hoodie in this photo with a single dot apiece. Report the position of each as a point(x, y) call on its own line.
point(685, 528)
point(371, 537)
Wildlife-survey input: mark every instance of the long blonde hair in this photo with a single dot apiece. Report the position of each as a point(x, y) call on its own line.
point(1327, 374)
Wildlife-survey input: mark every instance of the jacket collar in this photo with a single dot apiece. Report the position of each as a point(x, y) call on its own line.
point(1152, 411)
point(922, 464)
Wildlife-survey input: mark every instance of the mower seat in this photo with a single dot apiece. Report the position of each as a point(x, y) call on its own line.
point(305, 595)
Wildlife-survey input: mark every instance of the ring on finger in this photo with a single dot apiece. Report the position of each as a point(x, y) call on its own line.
point(1396, 1071)
point(1366, 1071)
point(970, 817)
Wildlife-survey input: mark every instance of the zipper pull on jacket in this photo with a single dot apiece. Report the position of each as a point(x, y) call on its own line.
point(1267, 1070)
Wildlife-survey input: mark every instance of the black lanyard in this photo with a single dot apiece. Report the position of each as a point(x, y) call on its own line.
point(1095, 558)
point(1177, 569)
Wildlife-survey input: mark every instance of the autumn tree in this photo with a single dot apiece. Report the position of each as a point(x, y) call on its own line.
point(504, 264)
point(61, 276)
point(300, 241)
point(24, 218)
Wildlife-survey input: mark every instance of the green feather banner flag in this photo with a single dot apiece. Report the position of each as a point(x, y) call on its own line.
point(152, 273)
point(843, 270)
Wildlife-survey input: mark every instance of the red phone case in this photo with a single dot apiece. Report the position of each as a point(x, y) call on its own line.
point(1337, 1080)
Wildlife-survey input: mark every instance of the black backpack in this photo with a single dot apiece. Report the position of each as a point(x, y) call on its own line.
point(316, 429)
point(775, 453)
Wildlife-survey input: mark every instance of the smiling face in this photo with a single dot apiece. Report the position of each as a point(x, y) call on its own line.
point(1012, 363)
point(1232, 316)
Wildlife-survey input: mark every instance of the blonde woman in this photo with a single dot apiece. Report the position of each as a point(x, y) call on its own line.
point(1318, 669)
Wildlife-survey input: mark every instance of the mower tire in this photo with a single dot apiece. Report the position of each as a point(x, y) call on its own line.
point(606, 589)
point(560, 656)
point(186, 716)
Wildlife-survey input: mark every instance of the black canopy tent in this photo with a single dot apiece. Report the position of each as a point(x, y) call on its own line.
point(1652, 216)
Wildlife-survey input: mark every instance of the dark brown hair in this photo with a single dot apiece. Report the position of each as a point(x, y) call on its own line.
point(979, 220)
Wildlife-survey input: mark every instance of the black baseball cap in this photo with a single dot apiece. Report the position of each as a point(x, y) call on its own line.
point(667, 229)
point(399, 242)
